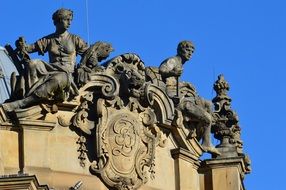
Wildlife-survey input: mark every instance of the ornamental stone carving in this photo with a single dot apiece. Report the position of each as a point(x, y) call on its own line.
point(121, 111)
point(126, 138)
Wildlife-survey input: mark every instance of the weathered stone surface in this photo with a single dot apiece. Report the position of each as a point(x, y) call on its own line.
point(223, 174)
point(22, 182)
point(119, 125)
point(226, 127)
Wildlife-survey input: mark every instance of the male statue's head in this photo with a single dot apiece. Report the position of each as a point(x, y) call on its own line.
point(185, 50)
point(62, 18)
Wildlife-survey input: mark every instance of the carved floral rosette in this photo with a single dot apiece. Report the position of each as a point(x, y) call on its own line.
point(126, 142)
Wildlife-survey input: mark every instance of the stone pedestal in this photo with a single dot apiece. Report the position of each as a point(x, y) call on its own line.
point(186, 166)
point(223, 174)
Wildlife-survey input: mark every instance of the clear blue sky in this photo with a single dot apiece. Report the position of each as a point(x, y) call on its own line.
point(243, 39)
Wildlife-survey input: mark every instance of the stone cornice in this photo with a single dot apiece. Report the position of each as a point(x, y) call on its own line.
point(180, 153)
point(29, 125)
point(37, 125)
point(21, 182)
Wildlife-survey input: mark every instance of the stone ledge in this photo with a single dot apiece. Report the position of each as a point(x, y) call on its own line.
point(37, 125)
point(29, 124)
point(24, 182)
point(185, 155)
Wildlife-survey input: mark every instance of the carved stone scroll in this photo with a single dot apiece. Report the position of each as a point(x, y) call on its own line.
point(80, 119)
point(108, 84)
point(161, 103)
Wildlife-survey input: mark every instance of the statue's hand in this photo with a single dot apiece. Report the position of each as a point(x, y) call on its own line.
point(20, 44)
point(83, 75)
point(22, 49)
point(177, 71)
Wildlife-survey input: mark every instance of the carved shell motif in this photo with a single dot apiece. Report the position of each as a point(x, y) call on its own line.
point(126, 142)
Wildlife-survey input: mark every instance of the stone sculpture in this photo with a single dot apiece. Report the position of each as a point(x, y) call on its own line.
point(54, 85)
point(226, 124)
point(172, 68)
point(54, 81)
point(122, 106)
point(190, 104)
point(89, 63)
point(194, 108)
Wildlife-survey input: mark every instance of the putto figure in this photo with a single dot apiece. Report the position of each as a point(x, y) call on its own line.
point(52, 81)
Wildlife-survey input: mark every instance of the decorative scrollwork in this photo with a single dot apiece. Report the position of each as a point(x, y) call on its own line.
point(161, 103)
point(125, 137)
point(80, 118)
point(126, 143)
point(108, 84)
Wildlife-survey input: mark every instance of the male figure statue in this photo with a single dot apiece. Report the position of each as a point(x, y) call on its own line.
point(172, 68)
point(192, 107)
